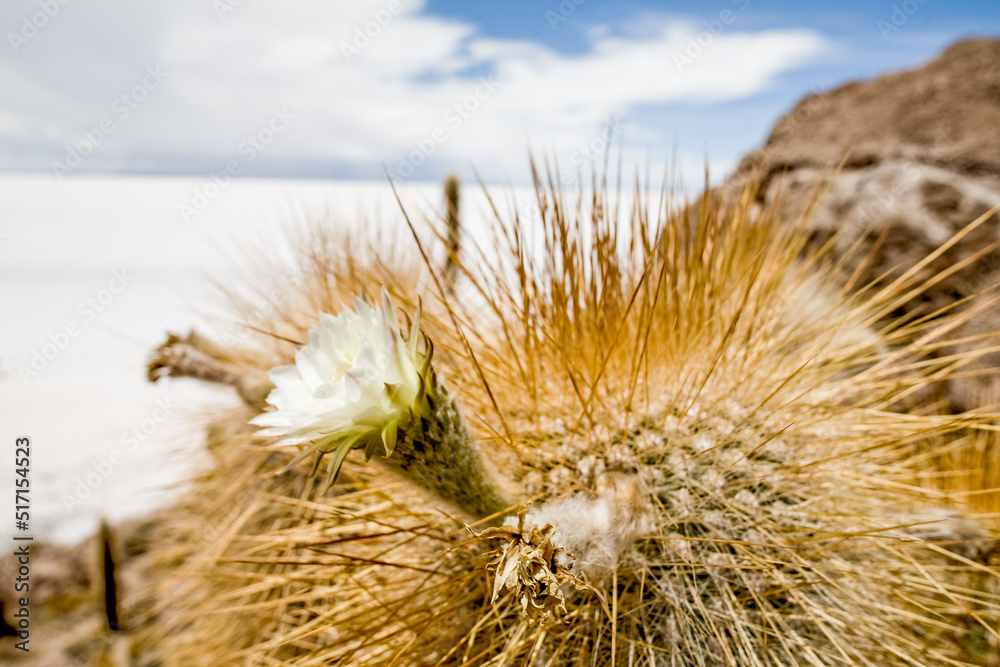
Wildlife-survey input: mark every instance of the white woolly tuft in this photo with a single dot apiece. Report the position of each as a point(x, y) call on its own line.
point(594, 532)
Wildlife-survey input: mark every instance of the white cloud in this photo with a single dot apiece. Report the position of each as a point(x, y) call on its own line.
point(227, 74)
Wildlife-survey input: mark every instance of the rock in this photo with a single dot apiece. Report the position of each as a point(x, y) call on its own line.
point(946, 113)
point(916, 207)
point(919, 158)
point(69, 621)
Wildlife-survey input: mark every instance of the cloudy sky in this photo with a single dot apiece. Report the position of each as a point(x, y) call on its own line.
point(338, 89)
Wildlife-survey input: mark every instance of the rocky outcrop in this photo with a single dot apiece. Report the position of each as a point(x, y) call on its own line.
point(67, 606)
point(946, 113)
point(907, 160)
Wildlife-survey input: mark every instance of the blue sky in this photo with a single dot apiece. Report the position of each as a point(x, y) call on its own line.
point(296, 88)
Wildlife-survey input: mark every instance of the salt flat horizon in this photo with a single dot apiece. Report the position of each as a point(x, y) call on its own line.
point(96, 270)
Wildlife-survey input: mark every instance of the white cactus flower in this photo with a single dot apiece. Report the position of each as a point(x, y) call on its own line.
point(354, 385)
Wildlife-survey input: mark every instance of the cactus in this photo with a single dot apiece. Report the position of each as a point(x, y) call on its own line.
point(703, 449)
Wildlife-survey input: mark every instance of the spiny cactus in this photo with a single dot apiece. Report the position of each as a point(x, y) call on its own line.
point(710, 450)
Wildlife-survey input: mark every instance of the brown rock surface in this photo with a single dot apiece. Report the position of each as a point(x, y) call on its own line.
point(69, 625)
point(919, 157)
point(946, 113)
